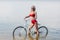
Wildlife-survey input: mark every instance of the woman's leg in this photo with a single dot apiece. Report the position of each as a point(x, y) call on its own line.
point(36, 28)
point(30, 26)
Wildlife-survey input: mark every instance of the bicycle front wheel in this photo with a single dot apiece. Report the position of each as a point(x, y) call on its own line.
point(19, 33)
point(43, 31)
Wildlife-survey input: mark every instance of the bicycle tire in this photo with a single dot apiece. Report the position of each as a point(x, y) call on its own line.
point(46, 33)
point(17, 28)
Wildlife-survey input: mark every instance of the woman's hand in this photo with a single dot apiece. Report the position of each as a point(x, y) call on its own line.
point(26, 17)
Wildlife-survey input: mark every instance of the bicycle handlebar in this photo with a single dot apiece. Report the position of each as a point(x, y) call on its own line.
point(26, 20)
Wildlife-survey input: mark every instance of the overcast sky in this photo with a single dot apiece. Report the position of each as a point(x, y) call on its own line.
point(29, 0)
point(15, 11)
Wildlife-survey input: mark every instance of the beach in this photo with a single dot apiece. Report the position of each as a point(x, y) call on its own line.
point(53, 34)
point(12, 15)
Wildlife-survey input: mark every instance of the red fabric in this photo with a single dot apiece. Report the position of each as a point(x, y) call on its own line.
point(32, 15)
point(33, 21)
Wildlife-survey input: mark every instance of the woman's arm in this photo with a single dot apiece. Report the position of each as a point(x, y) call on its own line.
point(26, 17)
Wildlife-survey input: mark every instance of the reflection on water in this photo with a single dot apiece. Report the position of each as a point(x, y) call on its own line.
point(29, 37)
point(37, 37)
point(6, 33)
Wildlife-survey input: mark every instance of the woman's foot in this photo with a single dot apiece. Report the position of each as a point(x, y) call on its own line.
point(36, 32)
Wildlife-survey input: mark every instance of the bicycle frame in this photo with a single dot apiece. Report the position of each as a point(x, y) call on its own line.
point(25, 28)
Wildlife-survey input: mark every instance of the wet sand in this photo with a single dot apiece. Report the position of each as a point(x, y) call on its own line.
point(9, 37)
point(30, 38)
point(6, 34)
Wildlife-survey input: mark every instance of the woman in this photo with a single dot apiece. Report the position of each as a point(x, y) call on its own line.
point(33, 17)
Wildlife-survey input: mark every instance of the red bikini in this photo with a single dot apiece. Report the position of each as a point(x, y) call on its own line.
point(32, 15)
point(33, 21)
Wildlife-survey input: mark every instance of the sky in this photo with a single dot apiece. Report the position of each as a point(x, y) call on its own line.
point(29, 0)
point(14, 11)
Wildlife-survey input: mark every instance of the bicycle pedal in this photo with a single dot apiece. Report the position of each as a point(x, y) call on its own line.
point(35, 32)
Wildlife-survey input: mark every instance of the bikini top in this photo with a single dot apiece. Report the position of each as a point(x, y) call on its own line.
point(32, 15)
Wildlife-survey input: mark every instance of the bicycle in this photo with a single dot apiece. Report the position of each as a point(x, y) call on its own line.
point(43, 31)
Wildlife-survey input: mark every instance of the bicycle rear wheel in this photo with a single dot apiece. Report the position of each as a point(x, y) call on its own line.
point(43, 31)
point(19, 33)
